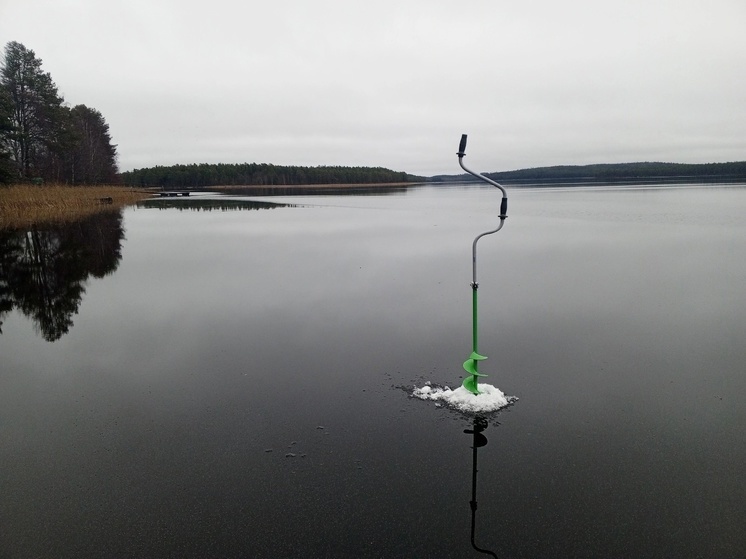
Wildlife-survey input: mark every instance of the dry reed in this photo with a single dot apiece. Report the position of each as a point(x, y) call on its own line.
point(24, 205)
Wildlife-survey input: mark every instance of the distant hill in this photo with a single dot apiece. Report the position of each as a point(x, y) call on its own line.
point(615, 172)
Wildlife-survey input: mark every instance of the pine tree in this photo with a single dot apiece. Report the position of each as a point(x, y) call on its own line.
point(38, 117)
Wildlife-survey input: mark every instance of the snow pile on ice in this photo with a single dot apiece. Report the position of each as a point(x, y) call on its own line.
point(488, 400)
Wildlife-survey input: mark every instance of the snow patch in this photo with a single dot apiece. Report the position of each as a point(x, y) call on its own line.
point(488, 400)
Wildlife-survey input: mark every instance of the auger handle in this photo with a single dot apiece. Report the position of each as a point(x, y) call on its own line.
point(462, 146)
point(461, 153)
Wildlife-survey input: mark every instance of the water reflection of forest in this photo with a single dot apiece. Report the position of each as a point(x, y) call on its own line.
point(43, 270)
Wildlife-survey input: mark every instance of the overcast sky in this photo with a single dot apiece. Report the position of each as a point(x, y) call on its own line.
point(394, 83)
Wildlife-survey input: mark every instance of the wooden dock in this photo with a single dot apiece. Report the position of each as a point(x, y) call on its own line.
point(172, 193)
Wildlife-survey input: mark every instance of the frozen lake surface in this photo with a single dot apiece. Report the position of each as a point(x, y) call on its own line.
point(227, 378)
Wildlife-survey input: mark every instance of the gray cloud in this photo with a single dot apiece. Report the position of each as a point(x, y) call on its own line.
point(395, 83)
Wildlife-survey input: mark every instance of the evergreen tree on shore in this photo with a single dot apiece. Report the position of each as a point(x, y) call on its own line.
point(40, 137)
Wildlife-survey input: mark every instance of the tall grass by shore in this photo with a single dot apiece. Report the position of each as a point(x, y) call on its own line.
point(23, 205)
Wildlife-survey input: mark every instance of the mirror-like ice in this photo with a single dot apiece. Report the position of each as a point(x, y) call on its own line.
point(151, 359)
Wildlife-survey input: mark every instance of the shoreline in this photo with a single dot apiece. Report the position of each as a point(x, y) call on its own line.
point(24, 205)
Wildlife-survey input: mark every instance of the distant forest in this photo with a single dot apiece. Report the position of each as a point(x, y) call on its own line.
point(259, 174)
point(616, 172)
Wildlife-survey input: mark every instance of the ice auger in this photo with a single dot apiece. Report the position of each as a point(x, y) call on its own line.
point(471, 365)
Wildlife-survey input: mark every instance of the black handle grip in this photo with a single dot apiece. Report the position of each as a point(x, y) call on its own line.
point(462, 145)
point(504, 207)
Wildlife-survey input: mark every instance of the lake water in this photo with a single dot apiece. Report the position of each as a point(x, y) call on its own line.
point(220, 377)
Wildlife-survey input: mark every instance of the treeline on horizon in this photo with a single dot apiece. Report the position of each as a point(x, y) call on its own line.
point(611, 172)
point(259, 174)
point(41, 137)
point(266, 174)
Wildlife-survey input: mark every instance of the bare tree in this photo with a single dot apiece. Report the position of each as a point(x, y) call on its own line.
point(94, 158)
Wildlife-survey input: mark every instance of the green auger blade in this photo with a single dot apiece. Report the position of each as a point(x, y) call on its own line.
point(470, 383)
point(470, 366)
